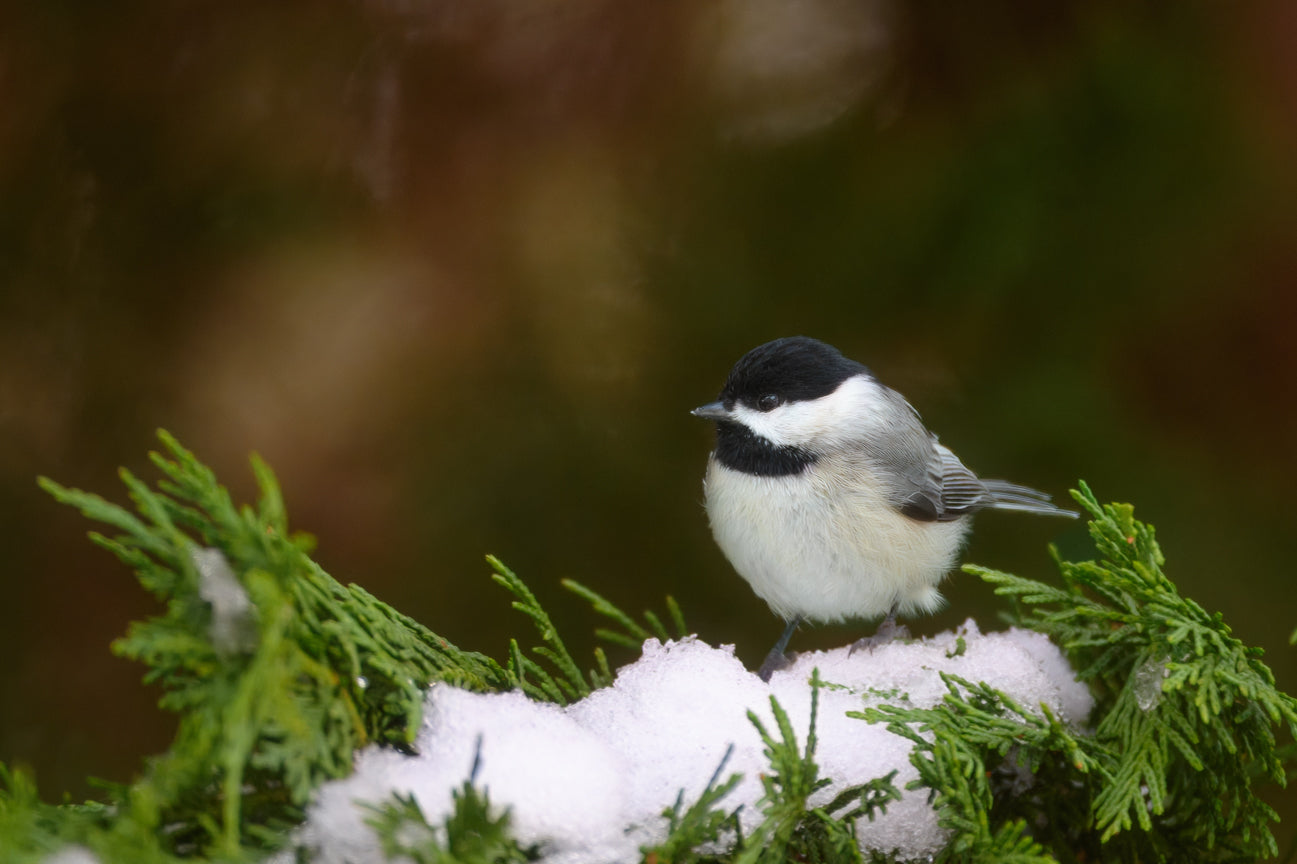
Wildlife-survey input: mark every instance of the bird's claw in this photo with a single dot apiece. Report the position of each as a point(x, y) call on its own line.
point(775, 661)
point(886, 632)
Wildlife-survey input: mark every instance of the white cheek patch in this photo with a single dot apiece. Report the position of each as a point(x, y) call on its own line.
point(857, 406)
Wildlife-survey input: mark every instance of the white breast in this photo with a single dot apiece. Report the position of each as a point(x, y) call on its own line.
point(828, 548)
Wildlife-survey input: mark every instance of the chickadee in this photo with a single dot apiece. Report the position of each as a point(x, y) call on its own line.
point(830, 497)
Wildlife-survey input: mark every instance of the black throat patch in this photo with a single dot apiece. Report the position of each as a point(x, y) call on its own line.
point(741, 449)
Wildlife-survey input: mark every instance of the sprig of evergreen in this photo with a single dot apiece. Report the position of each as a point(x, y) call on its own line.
point(31, 830)
point(1189, 711)
point(793, 778)
point(276, 685)
point(1185, 723)
point(700, 824)
point(793, 830)
point(472, 833)
point(1008, 782)
point(530, 676)
point(632, 634)
point(327, 669)
point(570, 683)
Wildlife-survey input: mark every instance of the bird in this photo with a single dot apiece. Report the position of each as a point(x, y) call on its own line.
point(830, 497)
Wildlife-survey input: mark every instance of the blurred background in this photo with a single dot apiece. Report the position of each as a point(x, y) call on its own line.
point(458, 269)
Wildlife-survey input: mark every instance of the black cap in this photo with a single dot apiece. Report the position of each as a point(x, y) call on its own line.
point(795, 369)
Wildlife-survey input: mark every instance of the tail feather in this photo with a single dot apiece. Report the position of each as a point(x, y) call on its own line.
point(1011, 496)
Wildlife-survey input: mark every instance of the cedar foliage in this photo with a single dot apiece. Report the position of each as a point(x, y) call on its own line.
point(279, 674)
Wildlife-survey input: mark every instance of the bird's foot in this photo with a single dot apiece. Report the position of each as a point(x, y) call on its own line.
point(775, 661)
point(886, 632)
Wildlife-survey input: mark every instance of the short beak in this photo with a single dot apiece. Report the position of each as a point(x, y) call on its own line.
point(712, 411)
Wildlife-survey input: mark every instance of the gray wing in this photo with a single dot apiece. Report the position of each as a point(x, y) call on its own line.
point(926, 481)
point(922, 479)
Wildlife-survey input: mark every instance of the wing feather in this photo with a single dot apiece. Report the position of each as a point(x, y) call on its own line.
point(926, 481)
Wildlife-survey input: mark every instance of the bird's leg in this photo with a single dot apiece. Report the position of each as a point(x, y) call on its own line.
point(776, 659)
point(886, 632)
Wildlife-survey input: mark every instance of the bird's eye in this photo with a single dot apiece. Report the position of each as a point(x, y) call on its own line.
point(769, 402)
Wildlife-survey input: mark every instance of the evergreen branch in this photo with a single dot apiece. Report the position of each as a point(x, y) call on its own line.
point(678, 618)
point(572, 683)
point(471, 834)
point(520, 666)
point(277, 688)
point(616, 638)
point(264, 720)
point(271, 512)
point(33, 832)
point(602, 675)
point(632, 634)
point(791, 829)
point(699, 824)
point(870, 799)
point(655, 626)
point(1180, 698)
point(977, 740)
